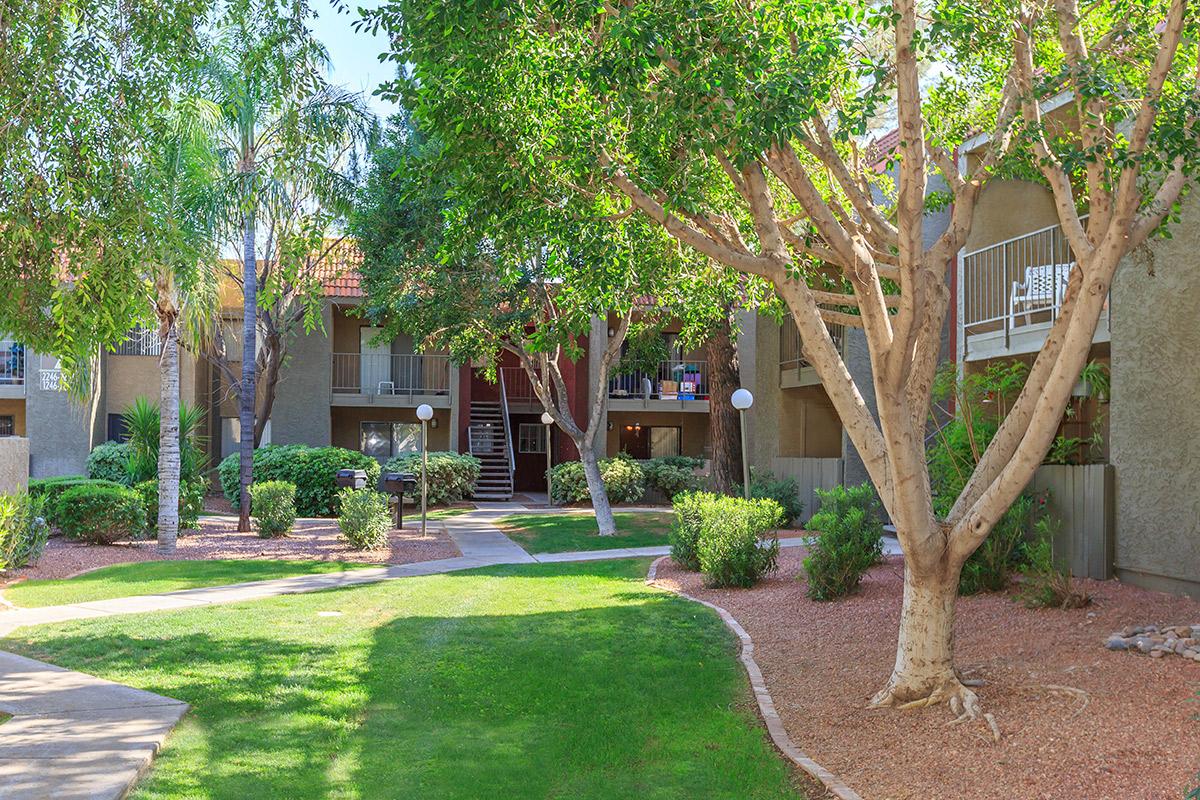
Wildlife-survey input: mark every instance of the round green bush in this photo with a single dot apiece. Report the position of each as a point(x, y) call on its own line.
point(624, 481)
point(191, 504)
point(363, 518)
point(109, 461)
point(689, 521)
point(452, 476)
point(849, 541)
point(670, 477)
point(100, 514)
point(273, 507)
point(312, 470)
point(737, 544)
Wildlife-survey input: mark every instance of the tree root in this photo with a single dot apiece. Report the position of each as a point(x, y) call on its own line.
point(955, 692)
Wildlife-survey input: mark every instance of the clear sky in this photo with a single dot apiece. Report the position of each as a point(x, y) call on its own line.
point(354, 54)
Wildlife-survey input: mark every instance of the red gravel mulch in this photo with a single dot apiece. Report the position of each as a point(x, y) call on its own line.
point(1137, 737)
point(315, 540)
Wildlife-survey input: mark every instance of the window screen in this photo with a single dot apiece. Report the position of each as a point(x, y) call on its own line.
point(531, 438)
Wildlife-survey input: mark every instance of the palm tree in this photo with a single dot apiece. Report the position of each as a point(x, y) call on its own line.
point(282, 135)
point(177, 179)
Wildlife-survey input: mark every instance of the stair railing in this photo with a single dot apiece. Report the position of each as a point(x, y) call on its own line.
point(512, 461)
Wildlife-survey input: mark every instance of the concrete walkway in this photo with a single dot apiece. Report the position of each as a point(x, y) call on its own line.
point(74, 736)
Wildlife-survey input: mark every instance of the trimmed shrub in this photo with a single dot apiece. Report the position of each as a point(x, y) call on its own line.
point(51, 491)
point(734, 548)
point(23, 530)
point(191, 505)
point(673, 474)
point(992, 566)
point(689, 521)
point(363, 518)
point(624, 481)
point(100, 514)
point(312, 470)
point(849, 541)
point(109, 461)
point(452, 476)
point(765, 486)
point(273, 506)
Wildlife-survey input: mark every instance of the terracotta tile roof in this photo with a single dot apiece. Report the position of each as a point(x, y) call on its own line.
point(339, 272)
point(880, 150)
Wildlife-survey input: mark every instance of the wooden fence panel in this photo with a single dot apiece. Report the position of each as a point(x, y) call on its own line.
point(1082, 497)
point(810, 474)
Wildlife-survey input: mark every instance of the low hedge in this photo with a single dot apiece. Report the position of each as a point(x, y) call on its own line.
point(100, 514)
point(730, 540)
point(312, 470)
point(51, 490)
point(191, 505)
point(765, 486)
point(452, 476)
point(671, 475)
point(624, 481)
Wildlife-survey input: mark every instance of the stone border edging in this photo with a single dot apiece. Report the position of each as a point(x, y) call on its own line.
point(766, 705)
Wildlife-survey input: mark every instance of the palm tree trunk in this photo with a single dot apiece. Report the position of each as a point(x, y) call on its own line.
point(246, 392)
point(168, 441)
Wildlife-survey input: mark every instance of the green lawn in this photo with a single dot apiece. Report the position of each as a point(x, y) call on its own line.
point(155, 577)
point(523, 681)
point(566, 531)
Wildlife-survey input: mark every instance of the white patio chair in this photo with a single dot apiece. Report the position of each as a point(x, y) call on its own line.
point(389, 385)
point(1043, 289)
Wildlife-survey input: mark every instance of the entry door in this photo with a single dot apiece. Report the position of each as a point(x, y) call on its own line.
point(635, 440)
point(376, 362)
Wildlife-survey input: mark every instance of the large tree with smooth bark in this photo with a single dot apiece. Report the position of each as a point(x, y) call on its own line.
point(739, 128)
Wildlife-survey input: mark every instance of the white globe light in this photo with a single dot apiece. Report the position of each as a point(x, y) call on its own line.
point(547, 419)
point(424, 412)
point(742, 399)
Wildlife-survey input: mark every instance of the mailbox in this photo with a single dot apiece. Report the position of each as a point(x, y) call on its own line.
point(398, 484)
point(352, 478)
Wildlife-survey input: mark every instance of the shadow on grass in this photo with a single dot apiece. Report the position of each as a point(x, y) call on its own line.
point(531, 681)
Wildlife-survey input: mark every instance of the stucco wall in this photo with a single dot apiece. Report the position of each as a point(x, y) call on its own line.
point(808, 425)
point(1009, 208)
point(61, 430)
point(762, 420)
point(130, 377)
point(301, 411)
point(1155, 411)
point(14, 464)
point(858, 361)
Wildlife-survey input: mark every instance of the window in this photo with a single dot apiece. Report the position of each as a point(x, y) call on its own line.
point(531, 438)
point(8, 426)
point(118, 431)
point(664, 442)
point(382, 440)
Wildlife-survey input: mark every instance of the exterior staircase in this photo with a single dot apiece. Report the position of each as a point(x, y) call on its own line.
point(489, 441)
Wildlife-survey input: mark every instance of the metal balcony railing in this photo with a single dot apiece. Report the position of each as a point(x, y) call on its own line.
point(12, 363)
point(678, 379)
point(139, 342)
point(391, 375)
point(1016, 283)
point(518, 388)
point(791, 355)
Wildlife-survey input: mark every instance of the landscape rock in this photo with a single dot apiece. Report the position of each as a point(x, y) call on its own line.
point(1158, 641)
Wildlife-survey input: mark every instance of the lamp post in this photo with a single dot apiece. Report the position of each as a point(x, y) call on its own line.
point(742, 400)
point(424, 413)
point(548, 420)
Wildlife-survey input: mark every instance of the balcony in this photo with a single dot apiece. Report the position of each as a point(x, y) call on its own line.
point(794, 369)
point(405, 379)
point(1011, 293)
point(12, 368)
point(139, 342)
point(677, 384)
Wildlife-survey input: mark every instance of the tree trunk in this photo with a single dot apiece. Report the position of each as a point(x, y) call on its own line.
point(724, 433)
point(168, 441)
point(591, 470)
point(270, 380)
point(924, 671)
point(246, 392)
